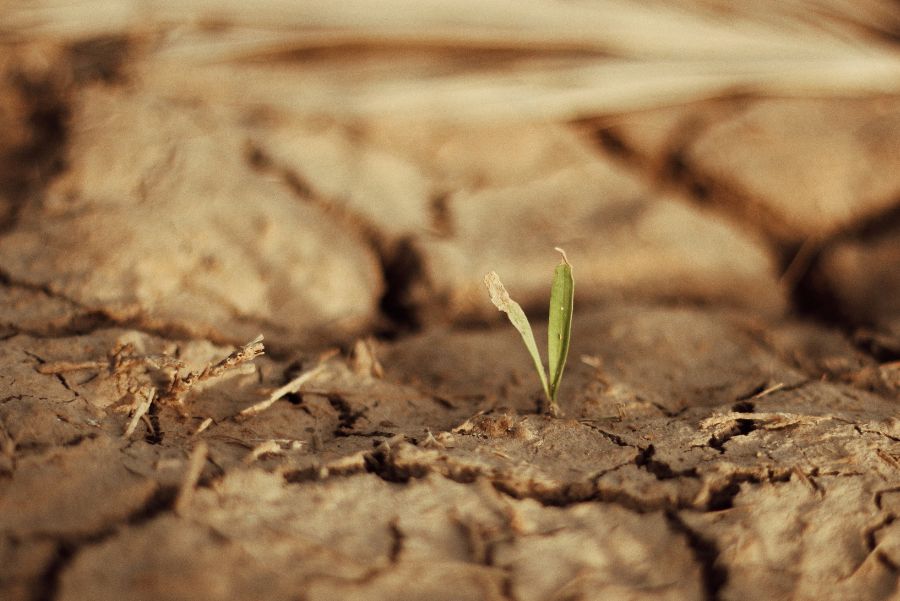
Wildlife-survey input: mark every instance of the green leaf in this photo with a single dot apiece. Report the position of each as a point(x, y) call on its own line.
point(500, 298)
point(559, 331)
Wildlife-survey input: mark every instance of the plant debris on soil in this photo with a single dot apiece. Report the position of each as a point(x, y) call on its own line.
point(245, 351)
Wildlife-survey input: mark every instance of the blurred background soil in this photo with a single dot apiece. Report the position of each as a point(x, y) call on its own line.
point(177, 178)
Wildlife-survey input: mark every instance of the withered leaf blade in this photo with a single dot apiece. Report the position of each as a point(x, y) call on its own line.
point(501, 299)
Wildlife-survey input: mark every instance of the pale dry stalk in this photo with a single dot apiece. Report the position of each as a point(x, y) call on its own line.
point(181, 385)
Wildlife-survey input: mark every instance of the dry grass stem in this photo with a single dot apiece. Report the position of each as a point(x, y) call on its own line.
point(203, 425)
point(7, 444)
point(148, 395)
point(194, 469)
point(59, 367)
point(769, 390)
point(289, 388)
point(181, 385)
point(269, 447)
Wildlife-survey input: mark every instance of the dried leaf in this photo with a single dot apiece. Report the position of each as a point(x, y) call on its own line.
point(501, 299)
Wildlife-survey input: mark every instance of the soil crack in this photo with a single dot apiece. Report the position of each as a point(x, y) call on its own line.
point(347, 416)
point(381, 463)
point(68, 549)
point(397, 540)
point(660, 469)
point(741, 427)
point(706, 554)
point(810, 291)
point(406, 285)
point(645, 457)
point(59, 377)
point(723, 496)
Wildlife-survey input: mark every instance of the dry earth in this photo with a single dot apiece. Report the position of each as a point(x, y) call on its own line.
point(177, 178)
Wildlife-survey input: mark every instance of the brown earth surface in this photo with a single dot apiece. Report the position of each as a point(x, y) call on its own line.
point(178, 178)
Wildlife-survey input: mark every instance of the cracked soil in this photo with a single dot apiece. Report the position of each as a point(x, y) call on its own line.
point(176, 180)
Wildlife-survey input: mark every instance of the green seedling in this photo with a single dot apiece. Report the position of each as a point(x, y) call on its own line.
point(559, 331)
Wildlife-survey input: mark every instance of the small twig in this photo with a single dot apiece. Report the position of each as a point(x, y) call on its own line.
point(289, 388)
point(592, 361)
point(889, 459)
point(149, 394)
point(203, 425)
point(768, 391)
point(7, 444)
point(195, 468)
point(59, 367)
point(181, 385)
point(269, 447)
point(801, 475)
point(800, 263)
point(147, 422)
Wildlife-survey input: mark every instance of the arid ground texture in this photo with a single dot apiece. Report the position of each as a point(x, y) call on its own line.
point(179, 178)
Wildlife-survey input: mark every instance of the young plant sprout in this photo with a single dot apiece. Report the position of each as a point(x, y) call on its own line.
point(559, 330)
